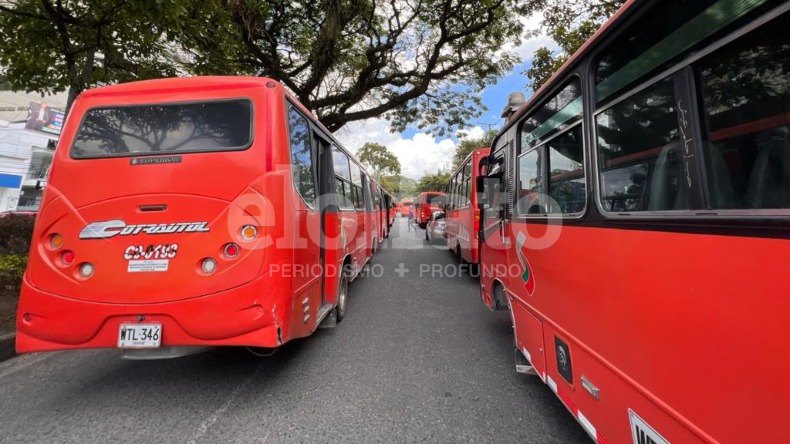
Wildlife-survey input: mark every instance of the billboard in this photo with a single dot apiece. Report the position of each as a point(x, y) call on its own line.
point(40, 117)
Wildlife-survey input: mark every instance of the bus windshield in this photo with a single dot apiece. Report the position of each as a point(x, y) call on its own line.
point(164, 128)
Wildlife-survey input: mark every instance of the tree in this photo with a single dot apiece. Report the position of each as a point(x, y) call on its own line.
point(391, 184)
point(467, 145)
point(379, 159)
point(569, 23)
point(55, 45)
point(433, 182)
point(423, 61)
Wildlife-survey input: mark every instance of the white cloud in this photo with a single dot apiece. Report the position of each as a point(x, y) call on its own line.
point(527, 47)
point(419, 155)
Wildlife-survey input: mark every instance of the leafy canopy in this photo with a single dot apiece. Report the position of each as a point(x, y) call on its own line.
point(433, 182)
point(569, 23)
point(467, 145)
point(379, 159)
point(57, 45)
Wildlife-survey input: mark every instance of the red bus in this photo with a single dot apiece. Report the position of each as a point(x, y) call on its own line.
point(425, 204)
point(405, 204)
point(220, 213)
point(642, 237)
point(462, 213)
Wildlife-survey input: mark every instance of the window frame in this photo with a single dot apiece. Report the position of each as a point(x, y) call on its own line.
point(310, 142)
point(521, 150)
point(685, 63)
point(251, 139)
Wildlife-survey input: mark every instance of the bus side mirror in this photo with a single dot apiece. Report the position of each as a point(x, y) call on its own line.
point(482, 196)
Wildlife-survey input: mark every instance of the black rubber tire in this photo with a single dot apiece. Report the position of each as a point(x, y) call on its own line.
point(342, 298)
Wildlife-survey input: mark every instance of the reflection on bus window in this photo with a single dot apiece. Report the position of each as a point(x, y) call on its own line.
point(643, 128)
point(301, 155)
point(566, 180)
point(159, 129)
point(530, 184)
point(745, 96)
point(623, 189)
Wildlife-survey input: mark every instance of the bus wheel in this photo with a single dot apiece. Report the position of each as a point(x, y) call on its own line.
point(498, 302)
point(342, 298)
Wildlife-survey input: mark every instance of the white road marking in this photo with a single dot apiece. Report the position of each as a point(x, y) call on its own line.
point(211, 420)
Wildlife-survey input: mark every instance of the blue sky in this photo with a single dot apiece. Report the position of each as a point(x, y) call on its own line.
point(420, 153)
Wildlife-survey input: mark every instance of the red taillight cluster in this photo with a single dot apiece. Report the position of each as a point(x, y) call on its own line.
point(67, 257)
point(231, 250)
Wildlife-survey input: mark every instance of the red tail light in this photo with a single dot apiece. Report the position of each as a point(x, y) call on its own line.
point(67, 257)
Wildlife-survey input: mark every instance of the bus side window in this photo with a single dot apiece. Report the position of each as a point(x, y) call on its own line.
point(301, 156)
point(530, 183)
point(640, 154)
point(744, 91)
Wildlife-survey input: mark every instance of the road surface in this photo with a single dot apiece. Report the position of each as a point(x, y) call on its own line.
point(417, 358)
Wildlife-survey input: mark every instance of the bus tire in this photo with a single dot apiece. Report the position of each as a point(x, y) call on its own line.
point(498, 300)
point(342, 297)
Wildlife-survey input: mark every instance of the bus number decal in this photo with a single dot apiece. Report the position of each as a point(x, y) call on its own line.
point(157, 251)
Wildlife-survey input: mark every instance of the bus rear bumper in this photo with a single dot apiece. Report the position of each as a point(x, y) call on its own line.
point(239, 316)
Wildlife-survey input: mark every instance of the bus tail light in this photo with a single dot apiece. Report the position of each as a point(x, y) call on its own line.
point(248, 232)
point(86, 269)
point(55, 241)
point(208, 265)
point(67, 257)
point(231, 250)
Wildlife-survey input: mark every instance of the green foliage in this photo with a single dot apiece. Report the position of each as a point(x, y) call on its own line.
point(379, 159)
point(433, 182)
point(391, 184)
point(408, 187)
point(569, 23)
point(53, 46)
point(12, 267)
point(467, 145)
point(15, 233)
point(422, 62)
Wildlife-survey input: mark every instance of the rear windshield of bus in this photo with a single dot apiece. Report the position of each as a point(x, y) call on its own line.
point(429, 198)
point(164, 128)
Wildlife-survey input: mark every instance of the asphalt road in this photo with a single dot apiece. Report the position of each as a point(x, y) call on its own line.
point(417, 358)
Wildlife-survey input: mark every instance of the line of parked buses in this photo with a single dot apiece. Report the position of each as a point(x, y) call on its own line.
point(632, 216)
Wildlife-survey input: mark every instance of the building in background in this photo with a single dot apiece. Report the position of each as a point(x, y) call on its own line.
point(29, 128)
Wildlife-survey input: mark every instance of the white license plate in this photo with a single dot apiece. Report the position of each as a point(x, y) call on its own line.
point(140, 335)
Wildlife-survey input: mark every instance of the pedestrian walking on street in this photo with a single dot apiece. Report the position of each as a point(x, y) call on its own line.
point(411, 219)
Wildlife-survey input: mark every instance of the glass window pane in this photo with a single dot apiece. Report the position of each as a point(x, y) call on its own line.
point(643, 130)
point(164, 129)
point(566, 172)
point(555, 114)
point(745, 96)
point(356, 175)
point(301, 155)
point(340, 159)
point(530, 183)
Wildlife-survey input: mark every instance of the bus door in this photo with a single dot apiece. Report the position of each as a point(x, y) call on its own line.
point(305, 273)
point(330, 222)
point(494, 237)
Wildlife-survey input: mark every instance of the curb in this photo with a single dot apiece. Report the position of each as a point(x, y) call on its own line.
point(7, 346)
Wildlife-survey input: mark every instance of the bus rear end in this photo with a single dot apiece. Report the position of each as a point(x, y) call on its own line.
point(154, 226)
point(426, 204)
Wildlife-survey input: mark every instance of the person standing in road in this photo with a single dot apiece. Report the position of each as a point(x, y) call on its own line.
point(410, 217)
